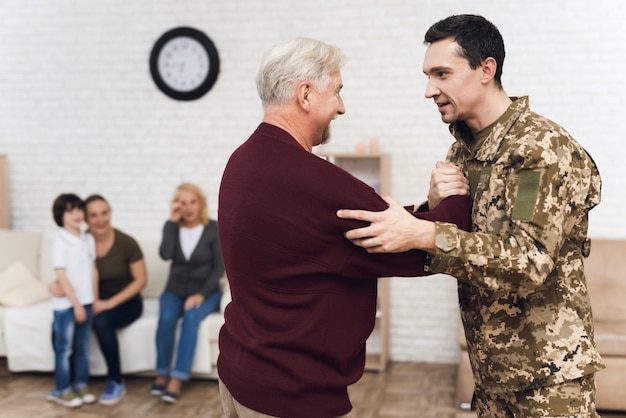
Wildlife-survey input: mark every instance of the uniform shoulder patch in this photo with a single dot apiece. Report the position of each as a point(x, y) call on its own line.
point(527, 192)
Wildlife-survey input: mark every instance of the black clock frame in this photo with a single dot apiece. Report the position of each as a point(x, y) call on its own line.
point(214, 63)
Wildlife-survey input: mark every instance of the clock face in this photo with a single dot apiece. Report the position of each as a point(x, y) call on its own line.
point(184, 63)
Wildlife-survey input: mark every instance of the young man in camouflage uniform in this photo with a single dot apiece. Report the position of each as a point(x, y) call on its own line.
point(522, 288)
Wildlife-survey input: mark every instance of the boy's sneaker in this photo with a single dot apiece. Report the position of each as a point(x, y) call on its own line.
point(68, 399)
point(85, 394)
point(113, 392)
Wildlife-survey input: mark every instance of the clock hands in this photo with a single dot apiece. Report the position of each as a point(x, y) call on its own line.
point(179, 65)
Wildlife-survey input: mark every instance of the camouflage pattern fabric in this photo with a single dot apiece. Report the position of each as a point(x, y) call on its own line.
point(575, 398)
point(522, 289)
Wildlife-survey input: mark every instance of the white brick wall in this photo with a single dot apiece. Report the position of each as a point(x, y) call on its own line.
point(79, 112)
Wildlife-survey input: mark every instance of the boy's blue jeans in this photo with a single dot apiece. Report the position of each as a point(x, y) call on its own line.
point(171, 308)
point(71, 349)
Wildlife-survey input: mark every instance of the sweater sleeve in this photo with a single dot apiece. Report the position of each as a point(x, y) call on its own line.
point(454, 211)
point(217, 268)
point(167, 248)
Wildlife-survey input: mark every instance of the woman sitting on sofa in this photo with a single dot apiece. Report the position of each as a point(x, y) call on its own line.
point(122, 276)
point(192, 291)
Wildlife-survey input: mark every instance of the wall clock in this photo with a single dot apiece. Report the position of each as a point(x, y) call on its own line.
point(184, 63)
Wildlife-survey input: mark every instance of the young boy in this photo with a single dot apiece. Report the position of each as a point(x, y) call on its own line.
point(73, 258)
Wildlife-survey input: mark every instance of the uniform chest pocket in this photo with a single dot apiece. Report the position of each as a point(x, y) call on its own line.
point(501, 194)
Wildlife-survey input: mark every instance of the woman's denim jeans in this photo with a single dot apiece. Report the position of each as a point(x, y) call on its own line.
point(171, 308)
point(71, 349)
point(105, 326)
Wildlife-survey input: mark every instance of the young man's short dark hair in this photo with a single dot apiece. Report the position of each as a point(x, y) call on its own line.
point(477, 38)
point(65, 202)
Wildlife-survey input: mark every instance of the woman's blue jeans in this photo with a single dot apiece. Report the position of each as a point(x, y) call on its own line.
point(171, 309)
point(105, 326)
point(71, 349)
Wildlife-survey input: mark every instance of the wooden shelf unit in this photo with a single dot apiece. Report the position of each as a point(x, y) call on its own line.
point(373, 169)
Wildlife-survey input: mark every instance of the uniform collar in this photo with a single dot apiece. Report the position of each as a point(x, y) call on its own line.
point(489, 148)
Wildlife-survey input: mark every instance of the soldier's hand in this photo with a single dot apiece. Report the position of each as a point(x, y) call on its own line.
point(446, 179)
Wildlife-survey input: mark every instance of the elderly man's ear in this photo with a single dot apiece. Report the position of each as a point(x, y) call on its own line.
point(303, 94)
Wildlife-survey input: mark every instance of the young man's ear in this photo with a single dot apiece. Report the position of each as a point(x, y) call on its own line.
point(489, 67)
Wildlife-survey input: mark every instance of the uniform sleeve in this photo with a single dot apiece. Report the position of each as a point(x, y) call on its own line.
point(523, 216)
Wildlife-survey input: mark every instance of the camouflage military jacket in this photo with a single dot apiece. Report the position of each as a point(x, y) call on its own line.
point(522, 288)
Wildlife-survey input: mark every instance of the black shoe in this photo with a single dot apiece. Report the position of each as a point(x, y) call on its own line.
point(170, 397)
point(157, 390)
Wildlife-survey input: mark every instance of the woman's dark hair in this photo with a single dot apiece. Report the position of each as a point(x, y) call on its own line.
point(477, 37)
point(93, 198)
point(65, 203)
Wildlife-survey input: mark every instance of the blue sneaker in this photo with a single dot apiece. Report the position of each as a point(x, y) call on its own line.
point(113, 392)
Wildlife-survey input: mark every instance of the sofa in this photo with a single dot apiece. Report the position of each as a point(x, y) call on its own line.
point(26, 312)
point(605, 270)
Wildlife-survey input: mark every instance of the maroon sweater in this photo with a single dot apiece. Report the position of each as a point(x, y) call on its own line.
point(303, 296)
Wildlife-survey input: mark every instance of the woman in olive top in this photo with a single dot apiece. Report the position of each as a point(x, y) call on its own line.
point(122, 276)
point(122, 273)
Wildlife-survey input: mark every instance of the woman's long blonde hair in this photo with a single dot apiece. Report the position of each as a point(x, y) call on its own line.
point(197, 191)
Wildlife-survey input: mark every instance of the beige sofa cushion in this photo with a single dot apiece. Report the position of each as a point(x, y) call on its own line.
point(157, 268)
point(19, 287)
point(20, 245)
point(605, 270)
point(46, 271)
point(611, 339)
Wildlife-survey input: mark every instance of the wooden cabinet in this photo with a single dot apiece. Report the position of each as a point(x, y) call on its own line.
point(5, 213)
point(372, 169)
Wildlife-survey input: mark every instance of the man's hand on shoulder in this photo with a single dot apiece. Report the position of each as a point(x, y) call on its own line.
point(393, 230)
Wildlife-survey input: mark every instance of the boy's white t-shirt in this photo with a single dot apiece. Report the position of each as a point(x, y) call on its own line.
point(75, 254)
